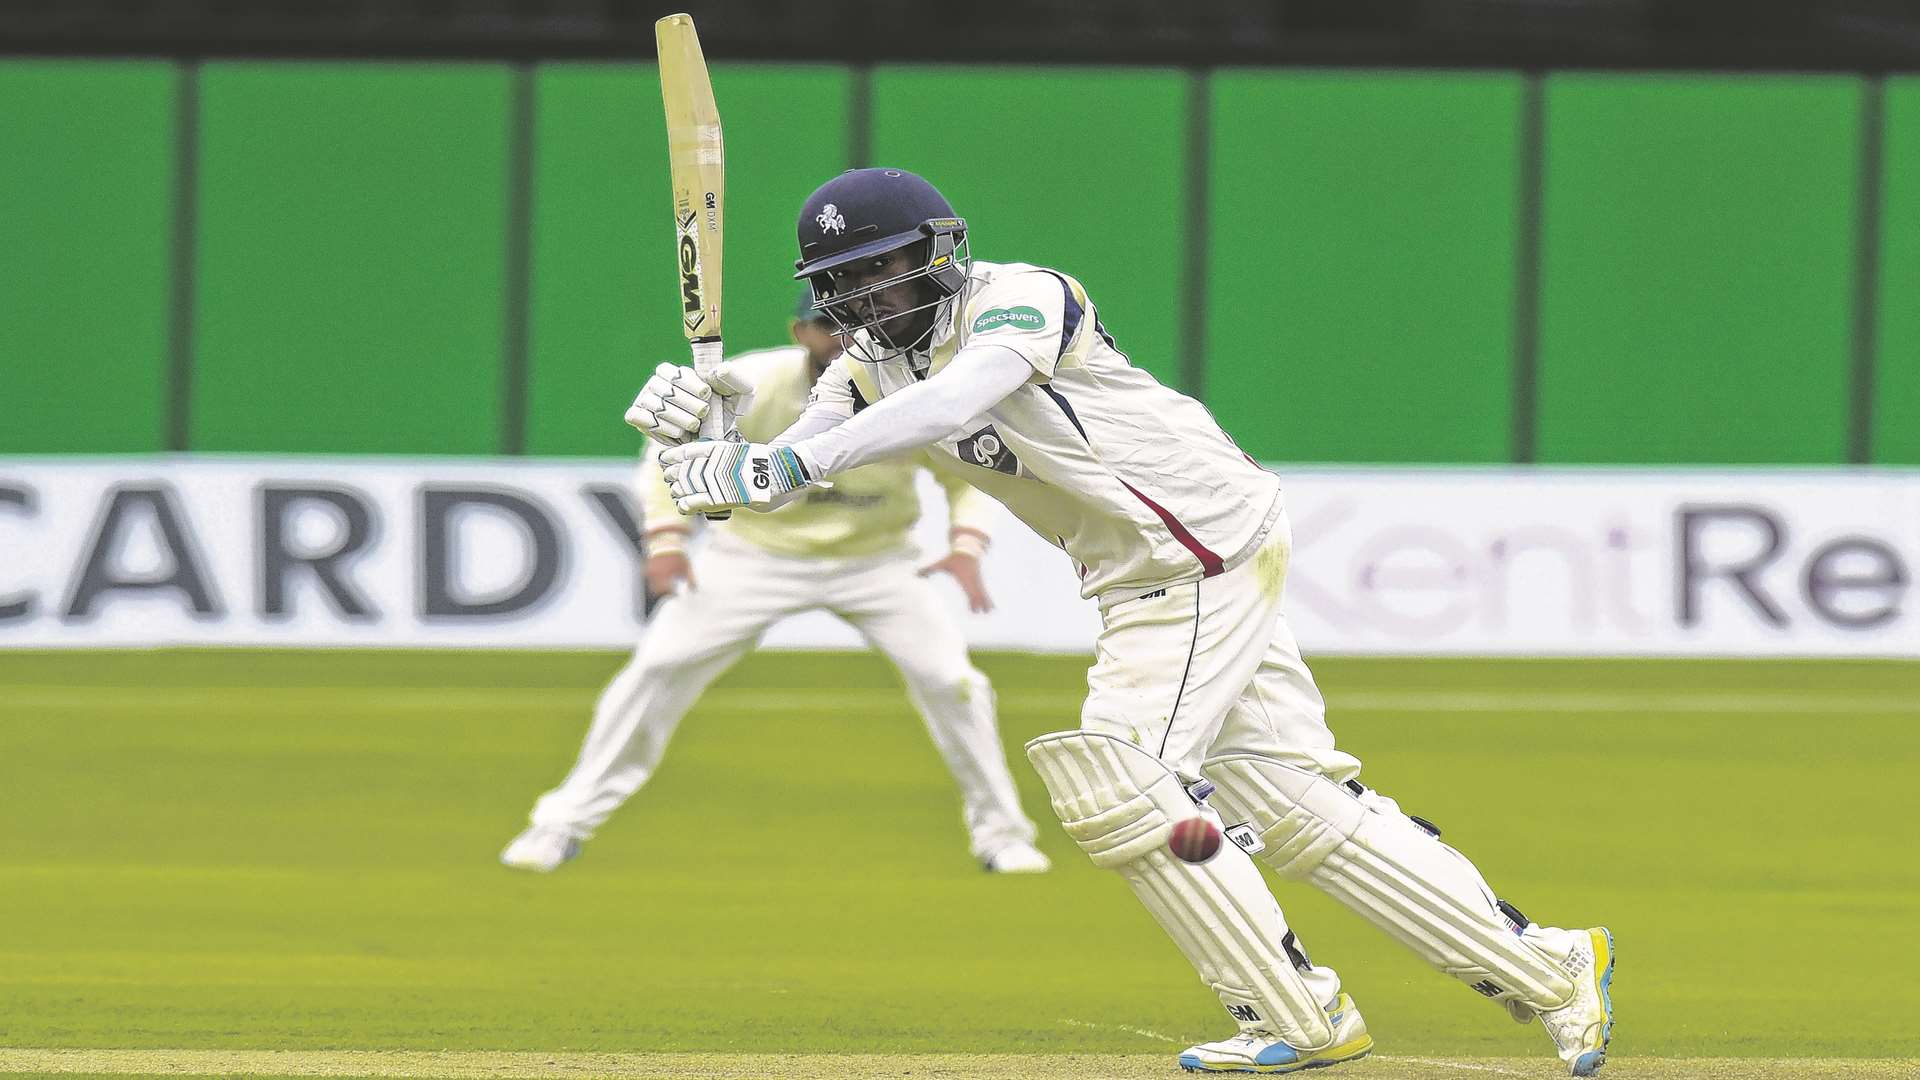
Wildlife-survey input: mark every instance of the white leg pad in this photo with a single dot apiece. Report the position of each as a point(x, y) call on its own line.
point(1119, 803)
point(1364, 852)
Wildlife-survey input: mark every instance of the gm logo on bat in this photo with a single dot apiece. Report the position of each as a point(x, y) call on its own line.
point(690, 273)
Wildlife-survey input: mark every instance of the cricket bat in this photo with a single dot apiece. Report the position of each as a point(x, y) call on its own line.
point(698, 161)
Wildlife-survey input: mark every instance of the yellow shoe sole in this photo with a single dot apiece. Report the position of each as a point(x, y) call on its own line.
point(1332, 1055)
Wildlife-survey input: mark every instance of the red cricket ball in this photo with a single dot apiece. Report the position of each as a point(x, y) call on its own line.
point(1194, 840)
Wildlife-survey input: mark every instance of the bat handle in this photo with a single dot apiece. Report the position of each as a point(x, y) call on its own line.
point(717, 424)
point(707, 354)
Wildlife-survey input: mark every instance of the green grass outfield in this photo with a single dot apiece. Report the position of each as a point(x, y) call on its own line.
point(205, 853)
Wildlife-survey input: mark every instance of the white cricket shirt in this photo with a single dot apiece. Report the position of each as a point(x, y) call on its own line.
point(1135, 481)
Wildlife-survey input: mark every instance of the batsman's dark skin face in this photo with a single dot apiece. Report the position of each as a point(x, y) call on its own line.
point(891, 305)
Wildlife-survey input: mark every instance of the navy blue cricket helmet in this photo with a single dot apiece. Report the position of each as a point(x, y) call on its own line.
point(864, 213)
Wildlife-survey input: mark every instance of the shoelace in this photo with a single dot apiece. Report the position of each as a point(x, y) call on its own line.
point(1254, 1037)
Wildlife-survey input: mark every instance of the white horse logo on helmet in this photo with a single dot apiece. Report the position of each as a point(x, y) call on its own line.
point(830, 219)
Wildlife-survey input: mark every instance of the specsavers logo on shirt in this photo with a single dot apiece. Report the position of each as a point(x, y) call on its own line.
point(1019, 318)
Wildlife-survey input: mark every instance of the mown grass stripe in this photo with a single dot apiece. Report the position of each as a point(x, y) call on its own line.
point(811, 700)
point(458, 1065)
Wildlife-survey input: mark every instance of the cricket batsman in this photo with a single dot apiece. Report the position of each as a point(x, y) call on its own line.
point(843, 549)
point(1198, 701)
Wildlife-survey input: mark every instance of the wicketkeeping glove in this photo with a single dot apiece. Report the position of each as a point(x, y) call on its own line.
point(719, 475)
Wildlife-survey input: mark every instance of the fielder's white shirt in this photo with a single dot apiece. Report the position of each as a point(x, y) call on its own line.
point(1135, 481)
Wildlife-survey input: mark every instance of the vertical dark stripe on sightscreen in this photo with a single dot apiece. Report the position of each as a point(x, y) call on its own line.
point(515, 324)
point(859, 115)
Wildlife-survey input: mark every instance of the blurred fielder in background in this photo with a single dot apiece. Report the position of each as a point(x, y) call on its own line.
point(843, 549)
point(1197, 686)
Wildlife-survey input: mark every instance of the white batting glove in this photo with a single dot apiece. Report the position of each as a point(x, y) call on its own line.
point(721, 474)
point(724, 377)
point(674, 400)
point(670, 405)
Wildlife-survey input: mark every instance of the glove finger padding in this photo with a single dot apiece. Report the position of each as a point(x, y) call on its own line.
point(730, 392)
point(727, 381)
point(679, 386)
point(684, 380)
point(648, 423)
point(670, 405)
point(673, 413)
point(1119, 803)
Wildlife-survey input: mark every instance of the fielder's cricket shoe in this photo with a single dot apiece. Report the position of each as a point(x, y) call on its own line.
point(1581, 1027)
point(542, 848)
point(1261, 1052)
point(1017, 859)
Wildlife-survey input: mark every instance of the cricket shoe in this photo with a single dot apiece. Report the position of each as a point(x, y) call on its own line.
point(1017, 859)
point(1263, 1052)
point(542, 848)
point(1582, 1027)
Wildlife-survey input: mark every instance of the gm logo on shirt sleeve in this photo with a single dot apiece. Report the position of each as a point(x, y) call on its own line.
point(985, 449)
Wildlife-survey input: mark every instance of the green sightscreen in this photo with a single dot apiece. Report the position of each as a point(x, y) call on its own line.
point(1360, 271)
point(1076, 169)
point(352, 266)
point(86, 220)
point(605, 297)
point(1896, 404)
point(351, 234)
point(1698, 268)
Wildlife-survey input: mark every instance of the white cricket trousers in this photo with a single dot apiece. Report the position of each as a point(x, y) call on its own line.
point(1209, 669)
point(740, 591)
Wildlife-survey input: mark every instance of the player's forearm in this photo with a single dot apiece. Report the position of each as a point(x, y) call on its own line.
point(969, 510)
point(665, 528)
point(656, 504)
point(918, 416)
point(814, 421)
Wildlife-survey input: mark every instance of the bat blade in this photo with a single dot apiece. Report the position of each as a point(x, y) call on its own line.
point(697, 156)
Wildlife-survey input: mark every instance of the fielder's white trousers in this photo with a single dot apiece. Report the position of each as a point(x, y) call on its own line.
point(741, 591)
